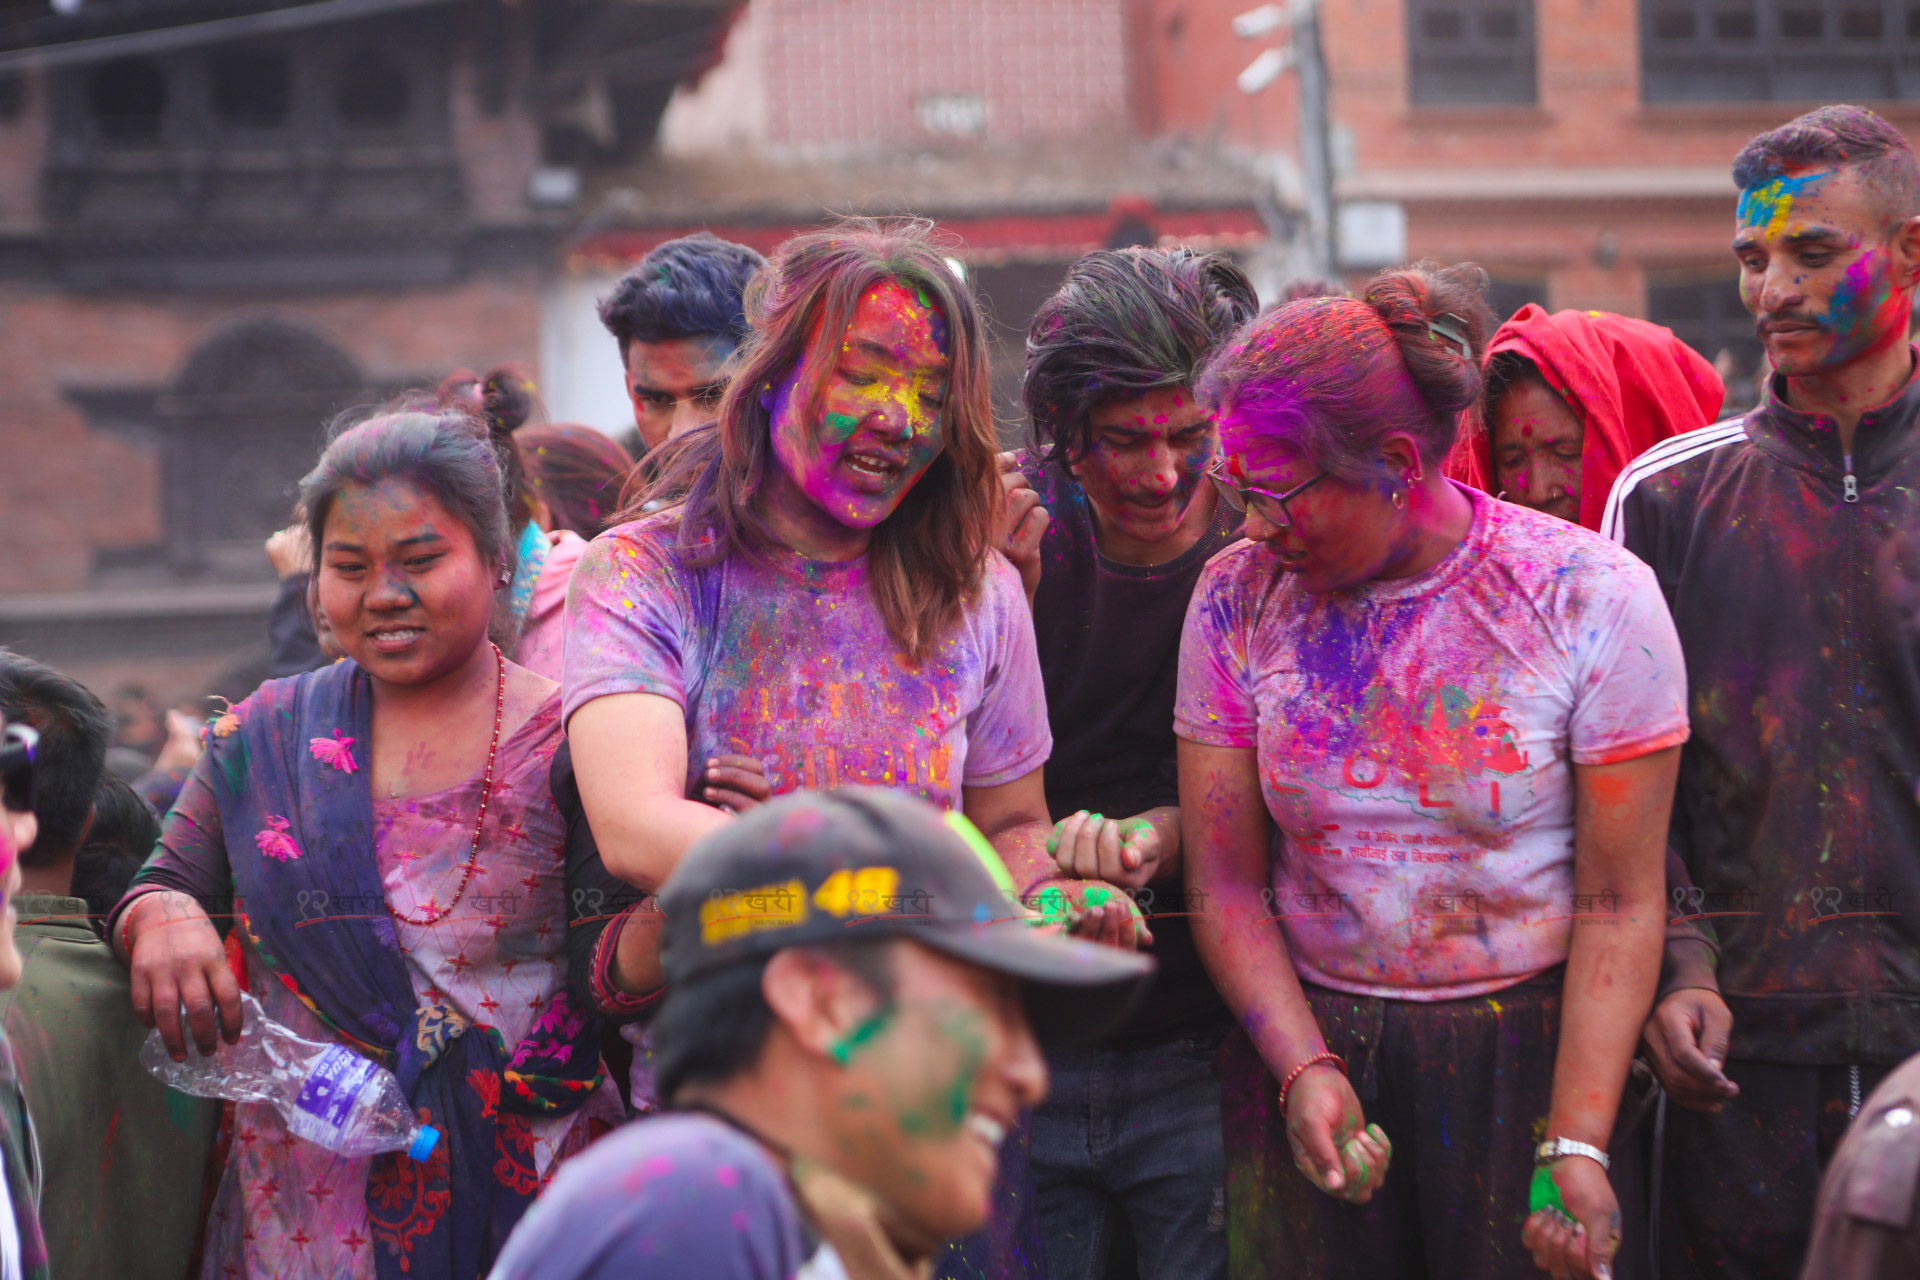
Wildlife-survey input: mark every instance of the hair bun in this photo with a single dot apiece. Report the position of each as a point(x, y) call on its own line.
point(1428, 307)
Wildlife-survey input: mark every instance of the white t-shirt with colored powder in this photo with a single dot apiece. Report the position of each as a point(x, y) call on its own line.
point(1416, 738)
point(789, 660)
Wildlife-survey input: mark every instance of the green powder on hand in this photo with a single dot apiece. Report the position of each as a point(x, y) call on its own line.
point(1544, 1193)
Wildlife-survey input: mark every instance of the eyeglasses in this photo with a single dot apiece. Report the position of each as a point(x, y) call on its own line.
point(1272, 506)
point(18, 743)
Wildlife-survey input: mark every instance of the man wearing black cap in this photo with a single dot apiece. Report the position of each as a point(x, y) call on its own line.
point(854, 1003)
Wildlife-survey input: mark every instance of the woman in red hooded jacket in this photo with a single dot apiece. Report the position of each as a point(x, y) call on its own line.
point(1573, 397)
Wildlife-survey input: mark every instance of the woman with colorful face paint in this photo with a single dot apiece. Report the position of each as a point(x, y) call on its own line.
point(383, 832)
point(1571, 398)
point(1462, 717)
point(823, 607)
point(23, 1249)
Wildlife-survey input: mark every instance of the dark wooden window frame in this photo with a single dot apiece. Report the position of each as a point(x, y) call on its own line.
point(1779, 50)
point(1471, 52)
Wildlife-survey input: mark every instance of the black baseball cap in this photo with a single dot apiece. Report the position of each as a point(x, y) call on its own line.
point(820, 867)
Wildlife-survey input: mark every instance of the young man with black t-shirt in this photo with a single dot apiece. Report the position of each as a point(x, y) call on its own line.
point(1110, 519)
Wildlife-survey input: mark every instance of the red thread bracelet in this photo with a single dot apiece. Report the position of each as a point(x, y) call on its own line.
point(126, 923)
point(1325, 1055)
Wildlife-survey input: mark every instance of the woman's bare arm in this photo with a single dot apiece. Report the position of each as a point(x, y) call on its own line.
point(1013, 817)
point(1620, 825)
point(1227, 829)
point(630, 756)
point(1613, 965)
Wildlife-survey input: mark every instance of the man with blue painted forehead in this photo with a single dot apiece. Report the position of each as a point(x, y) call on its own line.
point(1788, 544)
point(854, 1011)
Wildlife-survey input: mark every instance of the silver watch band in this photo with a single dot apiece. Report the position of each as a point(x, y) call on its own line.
point(1548, 1152)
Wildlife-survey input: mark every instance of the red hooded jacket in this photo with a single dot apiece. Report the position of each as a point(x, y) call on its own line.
point(1632, 383)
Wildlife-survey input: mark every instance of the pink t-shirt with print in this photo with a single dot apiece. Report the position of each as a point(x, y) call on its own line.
point(789, 659)
point(1416, 739)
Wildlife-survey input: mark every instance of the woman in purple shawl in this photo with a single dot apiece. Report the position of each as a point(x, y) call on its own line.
point(383, 834)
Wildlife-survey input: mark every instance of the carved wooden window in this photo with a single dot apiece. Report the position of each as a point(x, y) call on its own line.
point(242, 422)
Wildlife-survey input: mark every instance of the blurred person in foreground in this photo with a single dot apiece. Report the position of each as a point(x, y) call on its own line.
point(1787, 542)
point(23, 1249)
point(1866, 1225)
point(116, 1147)
point(574, 480)
point(678, 317)
point(1428, 747)
point(1571, 398)
point(1110, 520)
point(854, 1003)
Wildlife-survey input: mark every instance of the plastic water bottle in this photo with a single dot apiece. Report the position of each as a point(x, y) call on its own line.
point(329, 1094)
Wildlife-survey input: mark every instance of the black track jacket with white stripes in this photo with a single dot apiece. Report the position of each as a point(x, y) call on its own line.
point(1794, 580)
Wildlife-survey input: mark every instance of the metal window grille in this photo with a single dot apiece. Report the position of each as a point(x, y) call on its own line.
point(1466, 51)
point(1779, 50)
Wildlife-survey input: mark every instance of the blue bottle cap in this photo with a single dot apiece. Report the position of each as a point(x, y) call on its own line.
point(424, 1143)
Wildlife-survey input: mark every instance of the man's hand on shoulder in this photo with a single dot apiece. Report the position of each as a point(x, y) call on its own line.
point(1023, 522)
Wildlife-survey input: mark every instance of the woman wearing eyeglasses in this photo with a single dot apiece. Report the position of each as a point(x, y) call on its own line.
point(1463, 718)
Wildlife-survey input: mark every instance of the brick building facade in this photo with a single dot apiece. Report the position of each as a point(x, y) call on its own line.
point(1030, 132)
point(1578, 149)
point(212, 243)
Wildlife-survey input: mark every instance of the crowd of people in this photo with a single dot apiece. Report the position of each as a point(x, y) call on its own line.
point(1368, 790)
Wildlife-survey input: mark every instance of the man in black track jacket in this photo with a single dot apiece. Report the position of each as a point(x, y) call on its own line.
point(1788, 544)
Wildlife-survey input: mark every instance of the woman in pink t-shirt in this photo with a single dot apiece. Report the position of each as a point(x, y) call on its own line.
point(1434, 736)
point(818, 604)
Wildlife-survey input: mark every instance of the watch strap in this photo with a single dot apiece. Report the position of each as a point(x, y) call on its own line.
point(1557, 1148)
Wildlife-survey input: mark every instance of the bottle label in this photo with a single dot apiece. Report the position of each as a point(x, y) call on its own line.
point(331, 1089)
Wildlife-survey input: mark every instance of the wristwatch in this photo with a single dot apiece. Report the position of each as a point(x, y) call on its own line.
point(1548, 1152)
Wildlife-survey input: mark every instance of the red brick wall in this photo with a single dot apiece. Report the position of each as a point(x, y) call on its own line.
point(23, 148)
point(497, 152)
point(1588, 112)
point(1187, 71)
point(847, 72)
point(1588, 116)
point(65, 491)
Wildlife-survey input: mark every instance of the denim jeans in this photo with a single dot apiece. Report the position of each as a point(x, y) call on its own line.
point(1133, 1131)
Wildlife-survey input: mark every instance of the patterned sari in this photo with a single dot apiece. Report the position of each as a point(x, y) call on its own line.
point(470, 1012)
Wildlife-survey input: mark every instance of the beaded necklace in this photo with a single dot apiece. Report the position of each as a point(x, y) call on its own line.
point(486, 794)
